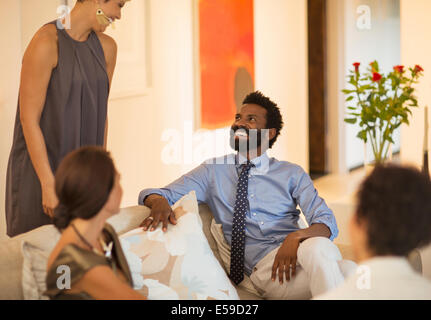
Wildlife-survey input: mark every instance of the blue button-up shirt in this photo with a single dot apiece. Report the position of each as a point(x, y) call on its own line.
point(275, 189)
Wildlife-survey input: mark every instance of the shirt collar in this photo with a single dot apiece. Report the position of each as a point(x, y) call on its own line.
point(260, 163)
point(389, 264)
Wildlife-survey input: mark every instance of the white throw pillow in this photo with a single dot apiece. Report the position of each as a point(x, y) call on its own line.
point(177, 264)
point(34, 272)
point(36, 250)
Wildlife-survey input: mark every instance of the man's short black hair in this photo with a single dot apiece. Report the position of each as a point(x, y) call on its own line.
point(273, 115)
point(395, 204)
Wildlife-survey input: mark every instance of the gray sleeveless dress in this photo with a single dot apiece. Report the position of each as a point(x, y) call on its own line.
point(74, 115)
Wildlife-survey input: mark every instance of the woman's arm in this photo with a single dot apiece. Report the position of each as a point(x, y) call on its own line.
point(38, 62)
point(110, 51)
point(102, 284)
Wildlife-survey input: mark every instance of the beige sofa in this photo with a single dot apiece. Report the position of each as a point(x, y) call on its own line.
point(45, 237)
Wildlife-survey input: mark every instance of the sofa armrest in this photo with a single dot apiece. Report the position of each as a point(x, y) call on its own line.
point(129, 218)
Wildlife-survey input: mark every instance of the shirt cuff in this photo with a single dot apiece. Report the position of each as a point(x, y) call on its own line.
point(146, 192)
point(330, 223)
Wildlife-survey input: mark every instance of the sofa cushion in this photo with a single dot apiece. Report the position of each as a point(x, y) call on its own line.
point(10, 270)
point(11, 263)
point(35, 250)
point(36, 246)
point(207, 217)
point(179, 263)
point(34, 272)
point(129, 218)
point(43, 239)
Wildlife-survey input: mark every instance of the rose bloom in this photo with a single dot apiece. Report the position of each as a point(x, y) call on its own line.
point(356, 65)
point(376, 77)
point(418, 68)
point(399, 69)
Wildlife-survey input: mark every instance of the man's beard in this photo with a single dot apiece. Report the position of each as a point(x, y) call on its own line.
point(250, 140)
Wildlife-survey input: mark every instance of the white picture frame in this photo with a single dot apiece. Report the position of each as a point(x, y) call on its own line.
point(132, 34)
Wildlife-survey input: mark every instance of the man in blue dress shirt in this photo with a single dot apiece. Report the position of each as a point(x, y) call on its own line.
point(279, 259)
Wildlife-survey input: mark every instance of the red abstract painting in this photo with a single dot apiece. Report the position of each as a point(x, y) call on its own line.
point(226, 58)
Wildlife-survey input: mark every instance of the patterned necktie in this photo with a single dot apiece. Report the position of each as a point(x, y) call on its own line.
point(238, 226)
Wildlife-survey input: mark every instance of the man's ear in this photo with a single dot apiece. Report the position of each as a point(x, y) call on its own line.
point(272, 133)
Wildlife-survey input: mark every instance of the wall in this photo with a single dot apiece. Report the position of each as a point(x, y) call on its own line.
point(281, 70)
point(9, 83)
point(416, 49)
point(335, 62)
point(139, 126)
point(138, 147)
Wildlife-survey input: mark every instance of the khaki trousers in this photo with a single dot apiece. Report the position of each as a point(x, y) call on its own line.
point(320, 268)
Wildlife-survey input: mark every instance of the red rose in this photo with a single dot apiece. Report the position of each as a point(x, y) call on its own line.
point(376, 77)
point(399, 69)
point(418, 68)
point(356, 64)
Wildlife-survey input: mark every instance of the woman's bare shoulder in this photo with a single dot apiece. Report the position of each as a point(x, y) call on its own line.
point(106, 41)
point(47, 35)
point(44, 44)
point(109, 47)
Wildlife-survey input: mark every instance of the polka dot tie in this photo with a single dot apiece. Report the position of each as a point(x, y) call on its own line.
point(238, 226)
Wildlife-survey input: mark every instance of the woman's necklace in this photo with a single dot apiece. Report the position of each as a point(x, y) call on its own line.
point(107, 249)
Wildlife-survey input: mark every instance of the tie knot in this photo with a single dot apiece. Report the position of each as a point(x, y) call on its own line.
point(247, 165)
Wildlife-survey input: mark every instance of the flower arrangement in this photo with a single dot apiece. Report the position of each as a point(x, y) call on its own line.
point(380, 103)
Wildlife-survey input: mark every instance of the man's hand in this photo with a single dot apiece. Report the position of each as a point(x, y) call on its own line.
point(285, 260)
point(161, 211)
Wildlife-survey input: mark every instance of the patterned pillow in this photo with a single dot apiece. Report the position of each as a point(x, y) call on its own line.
point(177, 264)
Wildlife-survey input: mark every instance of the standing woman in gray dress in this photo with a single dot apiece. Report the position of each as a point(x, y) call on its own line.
point(62, 105)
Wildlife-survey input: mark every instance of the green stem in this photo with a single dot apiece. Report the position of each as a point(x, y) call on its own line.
point(373, 145)
point(382, 140)
point(381, 146)
point(387, 150)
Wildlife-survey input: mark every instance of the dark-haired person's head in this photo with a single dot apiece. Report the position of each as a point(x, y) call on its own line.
point(257, 113)
point(86, 184)
point(393, 213)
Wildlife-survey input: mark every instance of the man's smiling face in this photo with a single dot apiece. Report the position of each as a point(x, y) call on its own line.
point(248, 124)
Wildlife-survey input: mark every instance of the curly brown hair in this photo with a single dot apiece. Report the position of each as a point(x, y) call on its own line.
point(273, 114)
point(395, 204)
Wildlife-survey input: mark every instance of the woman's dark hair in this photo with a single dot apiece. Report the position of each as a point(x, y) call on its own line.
point(395, 204)
point(83, 182)
point(273, 115)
